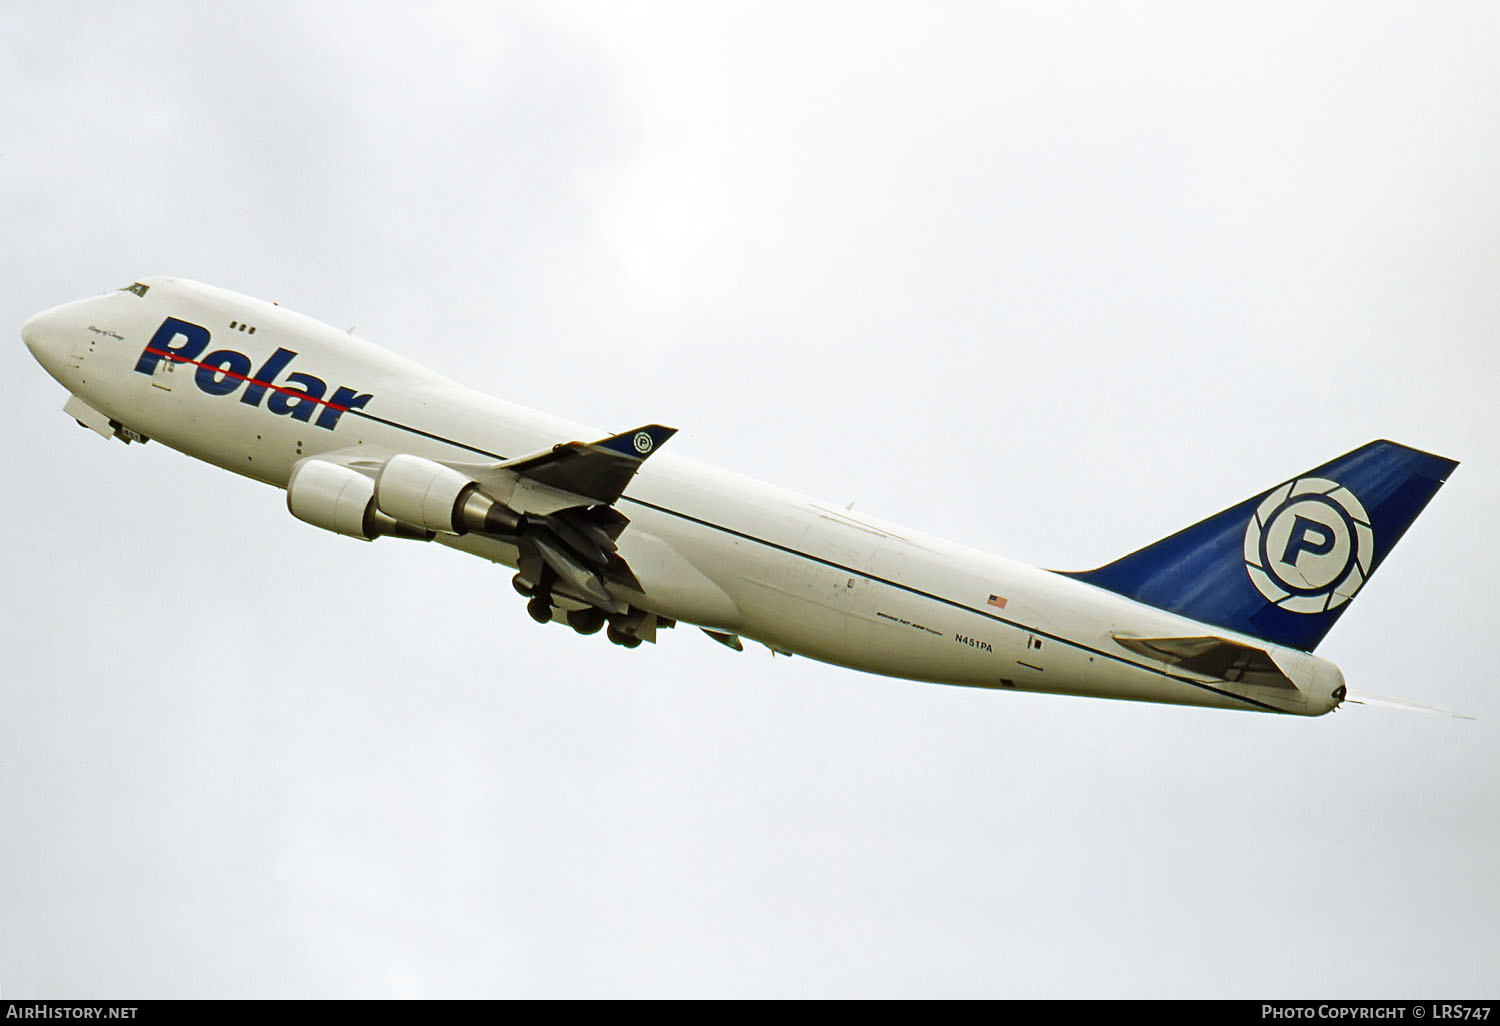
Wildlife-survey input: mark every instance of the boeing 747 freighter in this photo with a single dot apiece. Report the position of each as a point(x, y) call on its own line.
point(606, 534)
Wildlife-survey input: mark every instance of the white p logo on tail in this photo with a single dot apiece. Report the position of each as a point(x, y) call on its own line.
point(1308, 547)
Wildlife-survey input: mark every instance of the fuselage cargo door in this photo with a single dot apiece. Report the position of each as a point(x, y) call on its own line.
point(164, 374)
point(829, 586)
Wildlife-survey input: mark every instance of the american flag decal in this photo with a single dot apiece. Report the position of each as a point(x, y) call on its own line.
point(996, 601)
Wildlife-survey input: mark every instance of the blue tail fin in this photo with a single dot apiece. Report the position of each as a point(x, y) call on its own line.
point(1282, 566)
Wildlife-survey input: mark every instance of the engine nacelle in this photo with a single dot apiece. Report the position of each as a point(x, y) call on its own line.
point(438, 498)
point(338, 499)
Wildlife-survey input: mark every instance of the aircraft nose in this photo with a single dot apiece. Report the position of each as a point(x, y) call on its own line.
point(31, 333)
point(45, 334)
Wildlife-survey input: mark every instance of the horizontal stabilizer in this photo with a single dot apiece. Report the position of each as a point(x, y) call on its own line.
point(1212, 657)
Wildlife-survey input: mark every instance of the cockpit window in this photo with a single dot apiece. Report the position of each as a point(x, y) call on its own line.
point(137, 288)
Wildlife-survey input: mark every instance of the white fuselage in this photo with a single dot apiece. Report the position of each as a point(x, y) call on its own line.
point(709, 547)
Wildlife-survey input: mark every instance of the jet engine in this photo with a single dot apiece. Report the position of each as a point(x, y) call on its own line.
point(419, 491)
point(339, 499)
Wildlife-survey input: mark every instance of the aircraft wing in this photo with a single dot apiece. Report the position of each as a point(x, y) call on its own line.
point(556, 507)
point(594, 470)
point(564, 498)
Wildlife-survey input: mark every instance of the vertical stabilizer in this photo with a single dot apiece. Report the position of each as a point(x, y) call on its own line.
point(1284, 564)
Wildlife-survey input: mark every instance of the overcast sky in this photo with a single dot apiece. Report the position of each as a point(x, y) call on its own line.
point(1052, 280)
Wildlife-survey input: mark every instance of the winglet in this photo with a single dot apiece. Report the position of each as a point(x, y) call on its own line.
point(639, 442)
point(595, 470)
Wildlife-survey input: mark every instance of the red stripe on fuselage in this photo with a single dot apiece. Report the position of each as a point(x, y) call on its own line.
point(254, 381)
